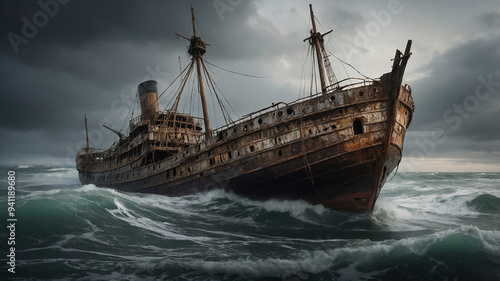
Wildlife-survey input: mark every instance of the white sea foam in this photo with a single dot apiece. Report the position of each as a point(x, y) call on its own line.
point(35, 195)
point(60, 169)
point(58, 176)
point(294, 207)
point(161, 229)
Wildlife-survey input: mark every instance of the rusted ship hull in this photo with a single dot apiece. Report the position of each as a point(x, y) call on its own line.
point(335, 149)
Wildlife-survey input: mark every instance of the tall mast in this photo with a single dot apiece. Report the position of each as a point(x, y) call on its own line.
point(315, 36)
point(87, 135)
point(316, 39)
point(196, 49)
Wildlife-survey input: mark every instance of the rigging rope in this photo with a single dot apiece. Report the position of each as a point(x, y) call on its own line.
point(351, 67)
point(218, 90)
point(234, 72)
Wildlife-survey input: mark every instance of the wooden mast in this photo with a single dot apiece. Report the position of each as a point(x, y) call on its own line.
point(196, 49)
point(316, 37)
point(87, 150)
point(199, 50)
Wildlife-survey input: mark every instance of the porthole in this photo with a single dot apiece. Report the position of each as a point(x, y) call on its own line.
point(289, 111)
point(361, 93)
point(280, 114)
point(260, 120)
point(332, 98)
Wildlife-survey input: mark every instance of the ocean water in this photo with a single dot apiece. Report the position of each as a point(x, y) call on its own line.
point(425, 226)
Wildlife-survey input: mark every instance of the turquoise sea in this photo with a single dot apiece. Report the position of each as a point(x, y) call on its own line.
point(425, 226)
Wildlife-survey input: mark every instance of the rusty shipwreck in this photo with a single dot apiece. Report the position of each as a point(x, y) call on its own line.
point(334, 148)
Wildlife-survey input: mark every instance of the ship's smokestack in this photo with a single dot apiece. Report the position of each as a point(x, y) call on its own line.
point(148, 96)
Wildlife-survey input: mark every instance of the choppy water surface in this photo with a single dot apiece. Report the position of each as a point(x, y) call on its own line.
point(425, 226)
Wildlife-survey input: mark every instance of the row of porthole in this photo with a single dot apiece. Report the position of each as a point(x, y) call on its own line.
point(289, 111)
point(360, 93)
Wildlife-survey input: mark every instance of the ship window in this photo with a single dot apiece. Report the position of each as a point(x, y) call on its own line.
point(252, 148)
point(245, 128)
point(289, 111)
point(334, 127)
point(280, 114)
point(229, 154)
point(260, 120)
point(221, 136)
point(357, 126)
point(332, 98)
point(361, 93)
point(340, 111)
point(280, 153)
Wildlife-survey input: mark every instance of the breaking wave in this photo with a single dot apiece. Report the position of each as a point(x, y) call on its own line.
point(424, 226)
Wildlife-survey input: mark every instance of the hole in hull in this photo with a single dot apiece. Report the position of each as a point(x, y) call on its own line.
point(357, 127)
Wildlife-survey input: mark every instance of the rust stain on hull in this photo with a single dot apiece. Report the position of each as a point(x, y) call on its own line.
point(315, 154)
point(335, 148)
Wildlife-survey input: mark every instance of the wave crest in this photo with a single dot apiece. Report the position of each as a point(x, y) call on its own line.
point(485, 203)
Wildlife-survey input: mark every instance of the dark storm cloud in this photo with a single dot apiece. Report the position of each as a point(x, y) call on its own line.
point(462, 83)
point(80, 23)
point(458, 104)
point(77, 57)
point(89, 56)
point(491, 18)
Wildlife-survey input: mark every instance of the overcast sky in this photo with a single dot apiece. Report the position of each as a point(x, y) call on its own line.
point(62, 59)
